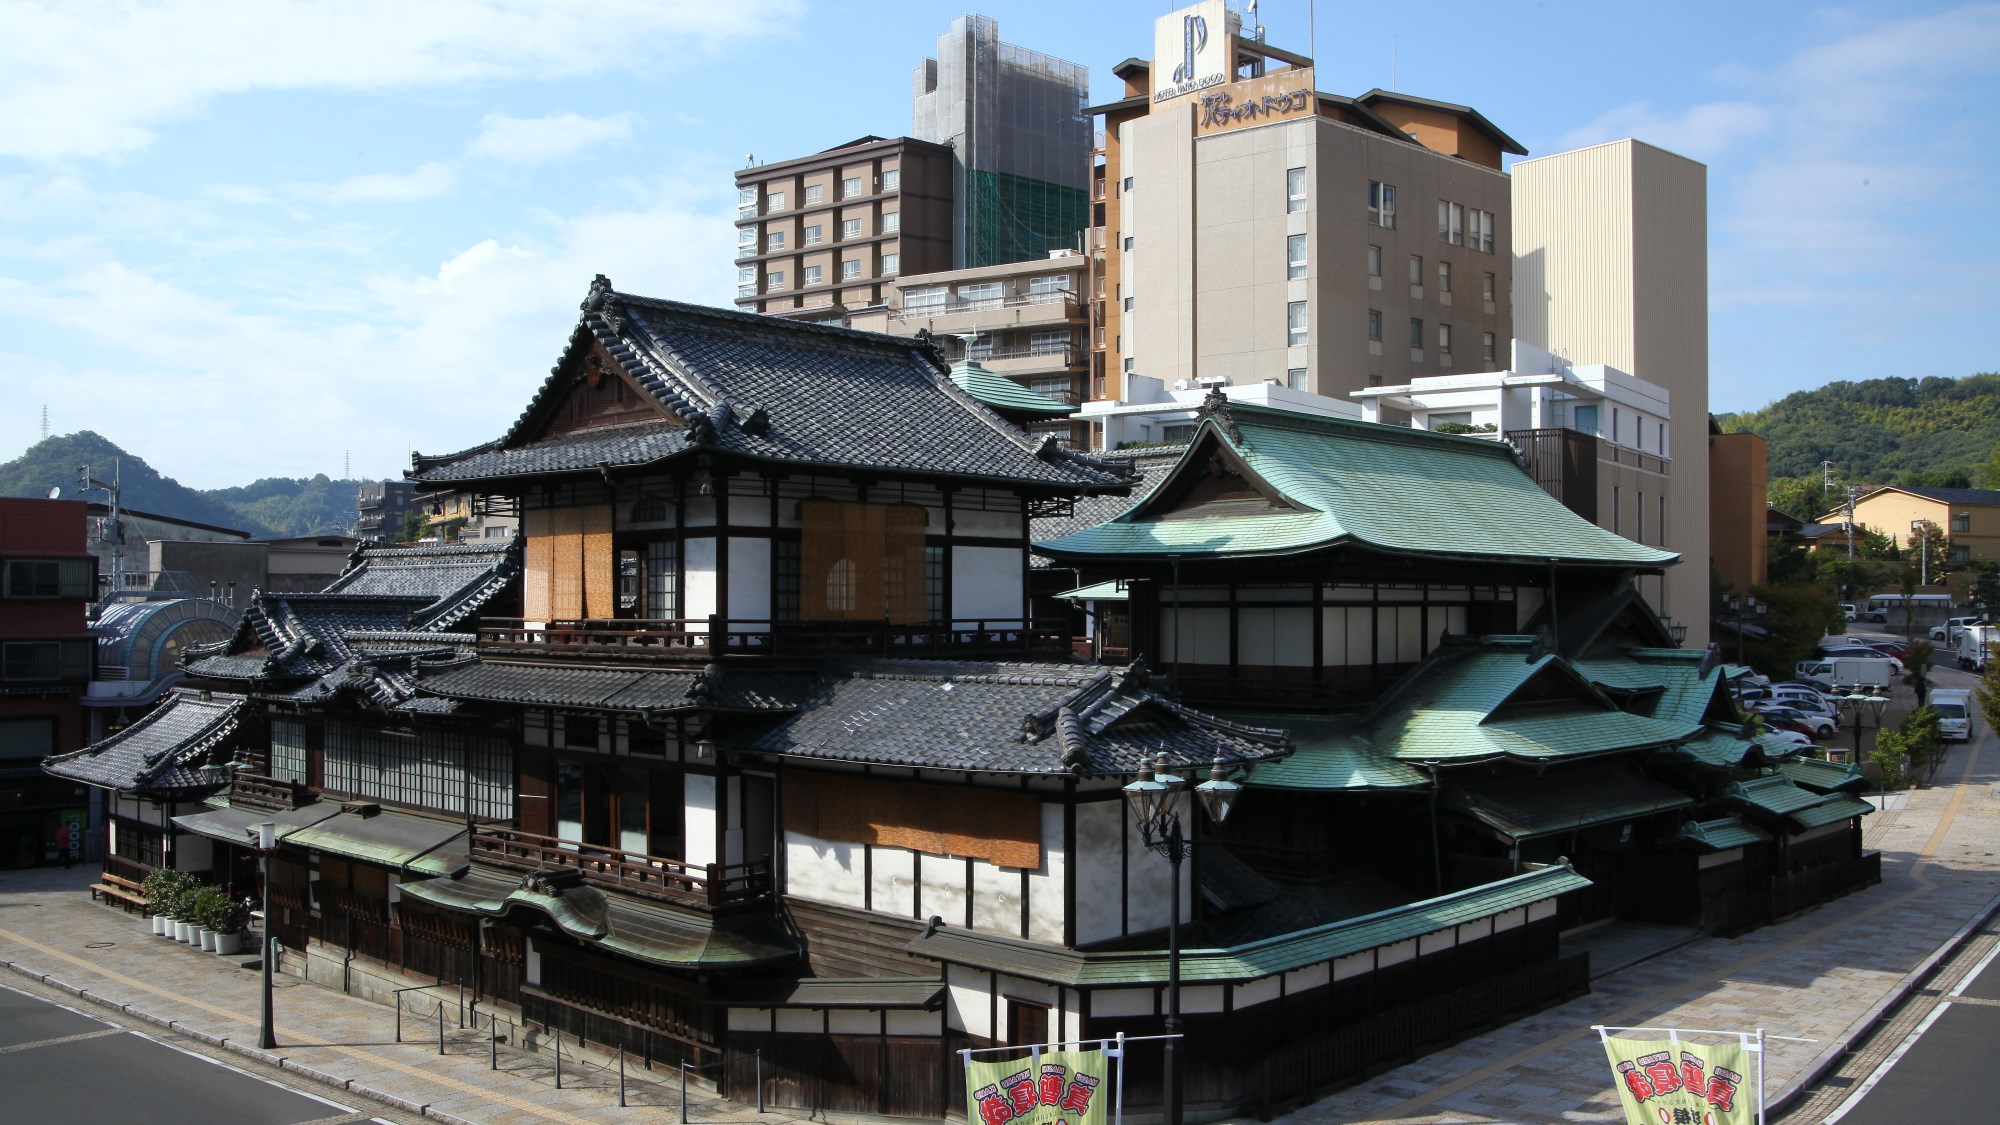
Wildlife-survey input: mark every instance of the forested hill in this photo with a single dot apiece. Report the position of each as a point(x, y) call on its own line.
point(1934, 431)
point(275, 506)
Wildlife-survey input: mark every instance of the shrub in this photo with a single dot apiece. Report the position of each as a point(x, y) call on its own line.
point(1891, 749)
point(168, 890)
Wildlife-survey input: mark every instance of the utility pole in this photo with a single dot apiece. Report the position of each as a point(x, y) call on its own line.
point(1851, 491)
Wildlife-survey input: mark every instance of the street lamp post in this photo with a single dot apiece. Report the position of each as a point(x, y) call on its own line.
point(1155, 799)
point(1923, 530)
point(1860, 704)
point(1741, 610)
point(267, 842)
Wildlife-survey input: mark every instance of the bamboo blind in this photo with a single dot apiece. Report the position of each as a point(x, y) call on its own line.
point(862, 562)
point(570, 572)
point(1003, 828)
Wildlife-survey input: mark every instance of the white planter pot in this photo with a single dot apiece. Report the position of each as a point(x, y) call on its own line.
point(184, 932)
point(226, 944)
point(208, 940)
point(159, 923)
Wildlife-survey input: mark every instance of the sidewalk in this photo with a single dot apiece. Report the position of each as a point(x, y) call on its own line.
point(51, 930)
point(1825, 975)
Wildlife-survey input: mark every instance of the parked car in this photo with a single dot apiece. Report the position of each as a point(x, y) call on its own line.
point(1823, 688)
point(1890, 648)
point(1791, 736)
point(1791, 718)
point(1848, 609)
point(1954, 709)
point(1865, 653)
point(1948, 632)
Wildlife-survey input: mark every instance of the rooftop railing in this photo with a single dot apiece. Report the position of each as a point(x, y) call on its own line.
point(956, 304)
point(704, 638)
point(702, 886)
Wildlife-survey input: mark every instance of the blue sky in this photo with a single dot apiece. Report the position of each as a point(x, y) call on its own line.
point(247, 239)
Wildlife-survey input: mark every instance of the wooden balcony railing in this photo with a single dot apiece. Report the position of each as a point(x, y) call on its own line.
point(705, 887)
point(707, 637)
point(254, 791)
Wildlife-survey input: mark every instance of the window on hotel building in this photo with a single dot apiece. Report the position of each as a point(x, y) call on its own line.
point(1484, 226)
point(982, 295)
point(850, 187)
point(1375, 324)
point(815, 234)
point(1416, 269)
point(812, 275)
point(1374, 261)
point(849, 271)
point(892, 263)
point(1961, 521)
point(862, 562)
point(746, 281)
point(1295, 189)
point(66, 579)
point(1489, 347)
point(1451, 222)
point(812, 195)
point(775, 240)
point(892, 179)
point(1295, 256)
point(1417, 333)
point(927, 297)
point(746, 201)
point(1444, 277)
point(774, 281)
point(774, 202)
point(1486, 286)
point(1295, 323)
point(45, 661)
point(1961, 553)
point(850, 227)
point(1295, 378)
point(746, 241)
point(892, 220)
point(1381, 203)
point(1444, 339)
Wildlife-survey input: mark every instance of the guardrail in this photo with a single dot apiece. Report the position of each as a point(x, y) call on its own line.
point(704, 638)
point(705, 886)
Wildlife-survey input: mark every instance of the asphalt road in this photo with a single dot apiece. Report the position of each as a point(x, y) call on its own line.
point(1944, 1070)
point(59, 1064)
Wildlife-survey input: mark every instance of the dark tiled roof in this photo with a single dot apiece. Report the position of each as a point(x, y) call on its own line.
point(1968, 496)
point(1150, 467)
point(1007, 718)
point(773, 390)
point(162, 752)
point(607, 689)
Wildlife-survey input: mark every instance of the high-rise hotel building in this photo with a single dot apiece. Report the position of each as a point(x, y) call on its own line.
point(1255, 229)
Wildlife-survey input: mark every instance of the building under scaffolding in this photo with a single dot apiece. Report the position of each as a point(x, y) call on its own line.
point(1021, 143)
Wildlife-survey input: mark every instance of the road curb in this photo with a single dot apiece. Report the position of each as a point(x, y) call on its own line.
point(281, 1062)
point(1829, 1059)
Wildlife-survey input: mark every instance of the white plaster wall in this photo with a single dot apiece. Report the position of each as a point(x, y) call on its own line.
point(893, 881)
point(732, 836)
point(825, 870)
point(986, 582)
point(996, 900)
point(842, 1021)
point(1350, 637)
point(1203, 635)
point(698, 577)
point(1275, 637)
point(1543, 909)
point(1045, 884)
point(749, 511)
point(999, 525)
point(1396, 954)
point(698, 815)
point(968, 1004)
point(1510, 920)
point(1111, 1002)
point(943, 882)
point(749, 1019)
point(1255, 992)
point(916, 1023)
point(1435, 942)
point(1201, 998)
point(1312, 976)
point(749, 581)
point(1353, 965)
point(1099, 876)
point(801, 1021)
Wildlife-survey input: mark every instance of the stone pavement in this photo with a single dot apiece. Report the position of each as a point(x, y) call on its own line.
point(1826, 975)
point(52, 931)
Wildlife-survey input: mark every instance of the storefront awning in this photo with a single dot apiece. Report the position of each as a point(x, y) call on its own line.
point(395, 839)
point(638, 928)
point(1523, 808)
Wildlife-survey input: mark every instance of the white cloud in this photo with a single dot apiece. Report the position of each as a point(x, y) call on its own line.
point(540, 140)
point(95, 80)
point(428, 181)
point(1704, 132)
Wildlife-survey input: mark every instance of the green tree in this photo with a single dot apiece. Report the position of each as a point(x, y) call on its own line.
point(1988, 693)
point(413, 527)
point(1892, 751)
point(1799, 616)
point(1926, 742)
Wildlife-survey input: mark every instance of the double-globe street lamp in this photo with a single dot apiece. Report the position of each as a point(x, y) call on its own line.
point(1155, 802)
point(1859, 702)
point(267, 842)
point(1742, 610)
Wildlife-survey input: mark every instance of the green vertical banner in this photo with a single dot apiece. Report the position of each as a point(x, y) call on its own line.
point(1668, 1082)
point(1048, 1088)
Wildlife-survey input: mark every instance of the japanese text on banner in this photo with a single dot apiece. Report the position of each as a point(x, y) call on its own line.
point(1058, 1088)
point(1661, 1082)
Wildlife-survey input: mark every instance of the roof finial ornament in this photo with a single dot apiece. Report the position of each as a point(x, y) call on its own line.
point(1216, 406)
point(600, 291)
point(1709, 660)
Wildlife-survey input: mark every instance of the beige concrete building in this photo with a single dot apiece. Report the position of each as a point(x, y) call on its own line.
point(1253, 228)
point(1024, 320)
point(1610, 259)
point(827, 232)
point(1739, 538)
point(1967, 518)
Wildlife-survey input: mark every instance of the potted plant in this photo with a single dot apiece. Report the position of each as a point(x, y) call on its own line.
point(184, 927)
point(228, 918)
point(155, 886)
point(203, 907)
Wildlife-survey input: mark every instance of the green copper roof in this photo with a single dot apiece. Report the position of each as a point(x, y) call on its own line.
point(1251, 960)
point(1559, 801)
point(1328, 755)
point(1822, 776)
point(1002, 393)
point(1776, 795)
point(622, 923)
point(1721, 834)
point(395, 839)
point(1838, 807)
point(1408, 492)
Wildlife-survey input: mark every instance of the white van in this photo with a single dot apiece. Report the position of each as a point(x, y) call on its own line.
point(1973, 644)
point(1954, 708)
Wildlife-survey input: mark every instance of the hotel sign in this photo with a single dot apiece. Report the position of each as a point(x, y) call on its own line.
point(1257, 101)
point(1190, 50)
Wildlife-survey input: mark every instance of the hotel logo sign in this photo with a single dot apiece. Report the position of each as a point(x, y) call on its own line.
point(1288, 94)
point(1190, 50)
